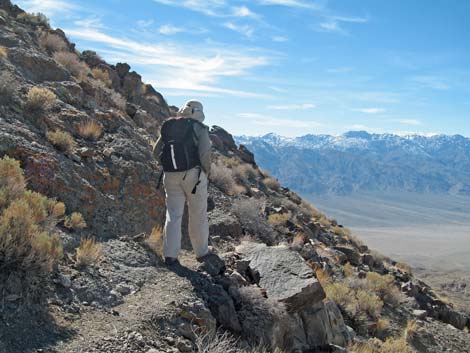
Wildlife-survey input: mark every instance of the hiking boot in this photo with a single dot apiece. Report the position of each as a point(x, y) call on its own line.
point(171, 260)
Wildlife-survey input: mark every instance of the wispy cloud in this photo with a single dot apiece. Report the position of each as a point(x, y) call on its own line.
point(245, 30)
point(292, 107)
point(413, 122)
point(334, 23)
point(145, 23)
point(207, 7)
point(369, 110)
point(243, 11)
point(175, 69)
point(268, 120)
point(279, 39)
point(430, 81)
point(293, 3)
point(169, 29)
point(49, 7)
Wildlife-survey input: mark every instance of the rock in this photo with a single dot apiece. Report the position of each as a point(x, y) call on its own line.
point(184, 345)
point(132, 84)
point(222, 307)
point(420, 314)
point(324, 324)
point(122, 69)
point(351, 254)
point(65, 281)
point(123, 289)
point(198, 314)
point(228, 143)
point(224, 224)
point(284, 275)
point(91, 58)
point(213, 265)
point(246, 155)
point(36, 66)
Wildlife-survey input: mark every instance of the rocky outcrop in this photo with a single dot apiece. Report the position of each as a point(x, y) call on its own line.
point(298, 317)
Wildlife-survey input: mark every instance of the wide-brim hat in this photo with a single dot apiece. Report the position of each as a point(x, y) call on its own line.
point(192, 109)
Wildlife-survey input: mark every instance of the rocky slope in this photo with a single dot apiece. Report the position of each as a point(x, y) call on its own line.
point(361, 162)
point(285, 277)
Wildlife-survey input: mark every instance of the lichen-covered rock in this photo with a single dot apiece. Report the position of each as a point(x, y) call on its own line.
point(284, 275)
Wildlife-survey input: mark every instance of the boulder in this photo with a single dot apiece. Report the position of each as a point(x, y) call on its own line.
point(227, 140)
point(352, 255)
point(122, 69)
point(224, 224)
point(246, 155)
point(36, 66)
point(283, 274)
point(324, 324)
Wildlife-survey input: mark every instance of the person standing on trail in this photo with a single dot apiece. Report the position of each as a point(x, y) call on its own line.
point(184, 151)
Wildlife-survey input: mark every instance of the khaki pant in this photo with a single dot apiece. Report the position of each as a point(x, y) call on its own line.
point(178, 188)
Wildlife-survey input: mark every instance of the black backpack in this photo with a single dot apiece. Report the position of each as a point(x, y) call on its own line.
point(180, 150)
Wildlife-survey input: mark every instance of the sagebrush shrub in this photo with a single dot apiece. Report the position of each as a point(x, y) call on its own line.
point(88, 253)
point(29, 249)
point(34, 18)
point(90, 130)
point(3, 52)
point(12, 181)
point(40, 99)
point(278, 219)
point(243, 172)
point(222, 178)
point(75, 221)
point(72, 64)
point(155, 240)
point(52, 42)
point(272, 183)
point(102, 75)
point(61, 140)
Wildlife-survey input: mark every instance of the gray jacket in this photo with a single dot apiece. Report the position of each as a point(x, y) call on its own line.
point(203, 143)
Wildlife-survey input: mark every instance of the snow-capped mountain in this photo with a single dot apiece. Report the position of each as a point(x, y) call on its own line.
point(360, 161)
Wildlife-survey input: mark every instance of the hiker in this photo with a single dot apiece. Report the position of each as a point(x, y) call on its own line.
point(184, 151)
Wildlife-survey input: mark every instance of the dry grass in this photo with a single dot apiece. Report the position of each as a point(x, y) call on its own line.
point(229, 161)
point(12, 181)
point(323, 277)
point(324, 221)
point(341, 231)
point(222, 178)
point(155, 240)
point(61, 140)
point(298, 240)
point(102, 75)
point(88, 253)
point(29, 248)
point(395, 345)
point(272, 183)
point(40, 99)
point(75, 221)
point(348, 269)
point(34, 18)
point(58, 209)
point(72, 64)
point(243, 172)
point(404, 267)
point(384, 287)
point(52, 42)
point(90, 130)
point(3, 52)
point(278, 219)
point(369, 303)
point(215, 342)
point(340, 293)
point(381, 328)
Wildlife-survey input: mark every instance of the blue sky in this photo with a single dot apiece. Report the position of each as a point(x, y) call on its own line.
point(290, 66)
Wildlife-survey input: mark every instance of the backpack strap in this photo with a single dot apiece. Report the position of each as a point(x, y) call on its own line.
point(198, 181)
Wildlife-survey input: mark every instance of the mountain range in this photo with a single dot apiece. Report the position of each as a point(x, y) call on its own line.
point(358, 161)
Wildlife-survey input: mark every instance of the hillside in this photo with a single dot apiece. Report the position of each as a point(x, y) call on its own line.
point(81, 237)
point(361, 162)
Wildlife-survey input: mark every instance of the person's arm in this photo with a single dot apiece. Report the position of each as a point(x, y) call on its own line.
point(204, 147)
point(157, 150)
